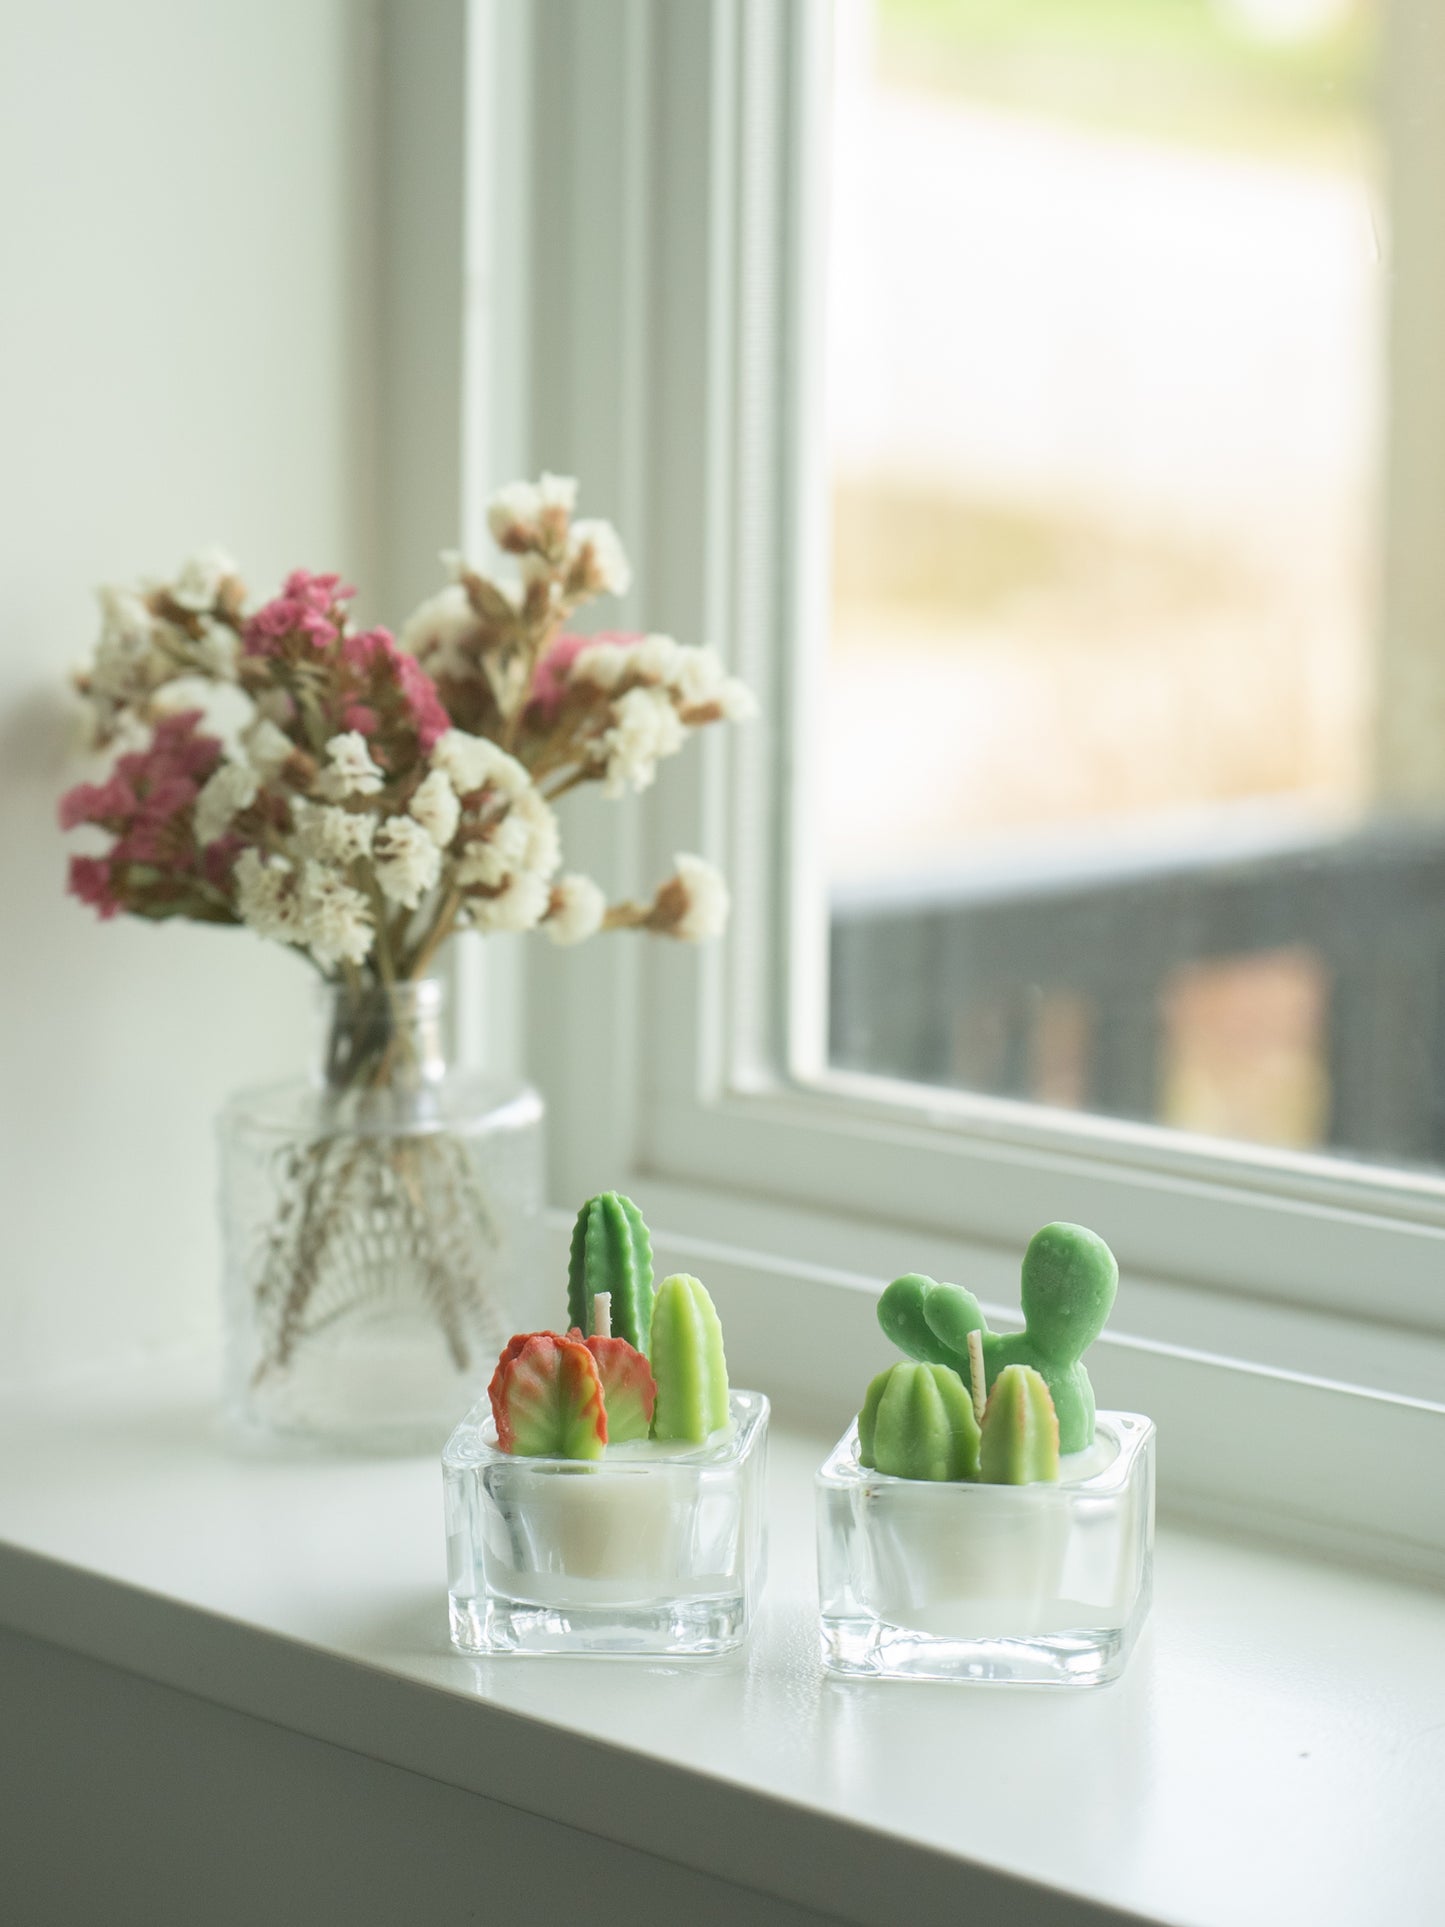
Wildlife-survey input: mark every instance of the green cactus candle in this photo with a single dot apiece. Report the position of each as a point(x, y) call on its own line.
point(917, 1422)
point(1020, 1439)
point(1068, 1287)
point(611, 1253)
point(687, 1362)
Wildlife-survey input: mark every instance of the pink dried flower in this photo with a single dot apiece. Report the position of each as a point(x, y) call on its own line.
point(374, 655)
point(549, 678)
point(361, 717)
point(427, 710)
point(308, 605)
point(97, 802)
point(146, 805)
point(90, 880)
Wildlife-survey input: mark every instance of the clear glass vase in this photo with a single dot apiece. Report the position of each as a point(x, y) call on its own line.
point(376, 1220)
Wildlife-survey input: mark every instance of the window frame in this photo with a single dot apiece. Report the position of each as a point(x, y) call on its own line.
point(668, 311)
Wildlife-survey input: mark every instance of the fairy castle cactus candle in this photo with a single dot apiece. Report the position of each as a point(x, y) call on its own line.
point(981, 1520)
point(279, 768)
point(606, 1497)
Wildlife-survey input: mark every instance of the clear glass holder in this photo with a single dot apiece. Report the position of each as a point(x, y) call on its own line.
point(656, 1548)
point(1042, 1585)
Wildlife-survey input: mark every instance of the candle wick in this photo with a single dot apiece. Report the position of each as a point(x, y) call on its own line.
point(602, 1315)
point(978, 1382)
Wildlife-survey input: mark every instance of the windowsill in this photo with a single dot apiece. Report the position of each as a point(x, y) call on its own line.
point(1276, 1750)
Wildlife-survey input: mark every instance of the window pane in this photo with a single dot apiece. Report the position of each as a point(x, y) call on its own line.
point(1106, 824)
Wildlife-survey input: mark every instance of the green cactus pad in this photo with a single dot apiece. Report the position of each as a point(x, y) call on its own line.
point(1068, 1288)
point(612, 1252)
point(917, 1422)
point(1020, 1442)
point(629, 1391)
point(687, 1362)
point(546, 1399)
point(928, 1321)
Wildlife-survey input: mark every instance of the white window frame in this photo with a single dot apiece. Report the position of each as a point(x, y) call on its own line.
point(667, 297)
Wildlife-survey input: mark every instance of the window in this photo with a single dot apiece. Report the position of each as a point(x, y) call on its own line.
point(681, 315)
point(1106, 319)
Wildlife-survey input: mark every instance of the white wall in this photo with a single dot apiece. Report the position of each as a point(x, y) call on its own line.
point(186, 356)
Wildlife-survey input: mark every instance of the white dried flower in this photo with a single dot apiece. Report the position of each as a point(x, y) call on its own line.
point(657, 659)
point(596, 560)
point(407, 861)
point(525, 839)
point(512, 514)
point(126, 624)
point(645, 728)
point(199, 582)
point(136, 654)
point(216, 650)
point(530, 515)
point(471, 762)
point(697, 900)
point(268, 897)
point(520, 905)
point(486, 861)
point(335, 919)
point(575, 911)
point(267, 747)
point(229, 788)
point(439, 627)
point(736, 701)
point(436, 808)
point(329, 834)
point(557, 492)
point(600, 666)
point(544, 840)
point(351, 771)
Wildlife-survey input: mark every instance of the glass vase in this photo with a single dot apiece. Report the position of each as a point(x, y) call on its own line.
point(376, 1219)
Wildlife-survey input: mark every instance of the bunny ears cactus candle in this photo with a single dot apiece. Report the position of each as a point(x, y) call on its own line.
point(1028, 1396)
point(360, 798)
point(982, 1521)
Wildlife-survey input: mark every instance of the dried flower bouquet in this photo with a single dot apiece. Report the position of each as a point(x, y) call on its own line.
point(361, 798)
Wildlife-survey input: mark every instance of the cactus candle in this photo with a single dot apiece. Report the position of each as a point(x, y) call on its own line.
point(980, 1520)
point(607, 1498)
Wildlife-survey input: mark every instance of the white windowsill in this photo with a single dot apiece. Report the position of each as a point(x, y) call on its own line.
point(1276, 1750)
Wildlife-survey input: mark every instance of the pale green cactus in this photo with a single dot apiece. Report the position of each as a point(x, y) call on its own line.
point(687, 1362)
point(1020, 1438)
point(612, 1253)
point(917, 1422)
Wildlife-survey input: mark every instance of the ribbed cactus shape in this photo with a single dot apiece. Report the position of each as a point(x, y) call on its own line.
point(1020, 1442)
point(917, 1422)
point(611, 1252)
point(687, 1362)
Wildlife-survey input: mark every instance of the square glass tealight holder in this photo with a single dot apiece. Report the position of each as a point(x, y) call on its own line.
point(1038, 1585)
point(656, 1548)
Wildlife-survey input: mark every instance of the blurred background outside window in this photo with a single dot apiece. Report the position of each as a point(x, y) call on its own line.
point(1108, 826)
